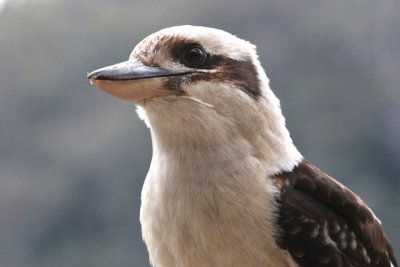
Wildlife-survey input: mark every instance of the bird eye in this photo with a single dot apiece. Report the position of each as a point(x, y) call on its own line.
point(194, 57)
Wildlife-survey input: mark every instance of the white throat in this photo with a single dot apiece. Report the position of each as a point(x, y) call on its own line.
point(211, 158)
point(197, 131)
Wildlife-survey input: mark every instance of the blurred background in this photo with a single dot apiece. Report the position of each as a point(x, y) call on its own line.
point(73, 159)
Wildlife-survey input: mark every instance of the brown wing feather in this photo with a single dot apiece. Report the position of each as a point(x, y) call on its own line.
point(323, 223)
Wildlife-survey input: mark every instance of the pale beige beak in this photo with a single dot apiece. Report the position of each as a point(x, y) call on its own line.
point(134, 81)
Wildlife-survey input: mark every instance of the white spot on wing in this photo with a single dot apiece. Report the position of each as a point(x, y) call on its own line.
point(353, 241)
point(353, 244)
point(325, 234)
point(295, 230)
point(336, 228)
point(365, 255)
point(342, 236)
point(314, 232)
point(299, 254)
point(343, 244)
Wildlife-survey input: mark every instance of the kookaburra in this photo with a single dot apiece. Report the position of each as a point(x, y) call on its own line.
point(226, 186)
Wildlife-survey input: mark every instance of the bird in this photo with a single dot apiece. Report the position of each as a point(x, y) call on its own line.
point(226, 185)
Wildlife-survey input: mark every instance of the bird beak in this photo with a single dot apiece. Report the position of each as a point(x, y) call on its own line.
point(132, 80)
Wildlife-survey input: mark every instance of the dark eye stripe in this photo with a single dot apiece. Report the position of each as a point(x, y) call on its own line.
point(242, 74)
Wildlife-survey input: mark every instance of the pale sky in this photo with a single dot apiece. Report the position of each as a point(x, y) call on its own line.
point(15, 2)
point(2, 3)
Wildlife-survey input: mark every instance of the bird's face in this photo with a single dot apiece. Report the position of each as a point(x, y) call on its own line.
point(193, 75)
point(203, 87)
point(184, 61)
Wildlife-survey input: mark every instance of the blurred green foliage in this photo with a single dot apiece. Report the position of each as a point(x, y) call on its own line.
point(73, 159)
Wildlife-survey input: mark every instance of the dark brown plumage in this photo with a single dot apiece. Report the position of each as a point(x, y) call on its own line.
point(323, 223)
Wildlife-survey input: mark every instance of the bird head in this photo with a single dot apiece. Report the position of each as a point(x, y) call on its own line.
point(172, 61)
point(198, 84)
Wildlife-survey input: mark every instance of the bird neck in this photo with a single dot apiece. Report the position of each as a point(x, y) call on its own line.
point(206, 171)
point(196, 133)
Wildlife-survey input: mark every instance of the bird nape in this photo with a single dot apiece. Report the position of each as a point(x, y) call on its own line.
point(226, 186)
